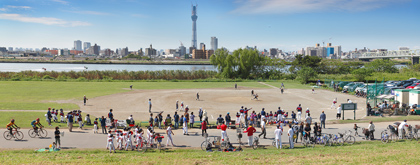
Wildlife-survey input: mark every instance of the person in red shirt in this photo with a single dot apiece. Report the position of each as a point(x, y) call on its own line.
point(203, 127)
point(223, 127)
point(250, 130)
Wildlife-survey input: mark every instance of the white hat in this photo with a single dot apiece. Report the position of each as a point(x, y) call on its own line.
point(186, 106)
point(307, 108)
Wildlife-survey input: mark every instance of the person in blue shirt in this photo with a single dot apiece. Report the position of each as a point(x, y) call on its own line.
point(322, 118)
point(70, 121)
point(185, 130)
point(110, 115)
point(262, 112)
point(176, 119)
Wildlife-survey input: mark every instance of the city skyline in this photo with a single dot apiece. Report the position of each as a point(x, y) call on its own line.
point(375, 24)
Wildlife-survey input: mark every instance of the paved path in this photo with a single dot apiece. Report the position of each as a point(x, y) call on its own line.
point(86, 139)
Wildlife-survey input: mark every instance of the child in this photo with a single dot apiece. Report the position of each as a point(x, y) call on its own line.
point(111, 142)
point(192, 120)
point(119, 140)
point(355, 130)
point(62, 116)
point(108, 142)
point(95, 126)
point(80, 122)
point(313, 90)
point(57, 137)
point(139, 138)
point(182, 106)
point(307, 112)
point(128, 140)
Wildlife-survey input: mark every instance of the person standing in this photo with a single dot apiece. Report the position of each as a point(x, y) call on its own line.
point(322, 119)
point(176, 120)
point(223, 127)
point(70, 121)
point(49, 116)
point(150, 105)
point(371, 129)
point(200, 113)
point(263, 113)
point(160, 118)
point(282, 85)
point(250, 130)
point(205, 116)
point(263, 130)
point(192, 116)
point(227, 119)
point(219, 120)
point(203, 127)
point(57, 137)
point(290, 134)
point(95, 126)
point(198, 97)
point(278, 132)
point(103, 124)
point(338, 112)
point(308, 119)
point(131, 87)
point(110, 115)
point(401, 129)
point(299, 113)
point(111, 142)
point(169, 132)
point(84, 100)
point(185, 130)
point(293, 115)
point(176, 105)
point(299, 131)
point(236, 86)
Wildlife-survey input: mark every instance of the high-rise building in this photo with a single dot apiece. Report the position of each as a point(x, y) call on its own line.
point(78, 45)
point(182, 50)
point(202, 44)
point(124, 51)
point(202, 53)
point(194, 27)
point(10, 49)
point(213, 43)
point(93, 50)
point(86, 45)
point(150, 51)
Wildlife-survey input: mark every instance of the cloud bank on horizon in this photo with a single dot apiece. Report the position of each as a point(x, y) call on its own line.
point(43, 20)
point(307, 6)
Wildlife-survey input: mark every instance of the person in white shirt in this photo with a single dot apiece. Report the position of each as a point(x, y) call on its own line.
point(401, 129)
point(308, 119)
point(263, 130)
point(139, 138)
point(349, 101)
point(334, 102)
point(119, 141)
point(338, 112)
point(169, 132)
point(371, 129)
point(111, 142)
point(278, 132)
point(128, 141)
point(290, 134)
point(306, 113)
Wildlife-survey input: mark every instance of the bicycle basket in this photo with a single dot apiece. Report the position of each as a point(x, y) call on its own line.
point(341, 135)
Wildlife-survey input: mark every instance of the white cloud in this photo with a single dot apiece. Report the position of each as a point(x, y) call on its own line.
point(43, 20)
point(90, 12)
point(139, 15)
point(306, 6)
point(3, 9)
point(18, 7)
point(61, 1)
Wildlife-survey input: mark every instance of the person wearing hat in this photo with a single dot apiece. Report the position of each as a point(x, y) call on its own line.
point(278, 132)
point(299, 113)
point(263, 129)
point(150, 105)
point(401, 129)
point(57, 137)
point(11, 125)
point(371, 129)
point(250, 130)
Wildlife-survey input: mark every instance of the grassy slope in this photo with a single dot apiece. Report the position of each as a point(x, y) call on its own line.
point(379, 119)
point(404, 152)
point(34, 95)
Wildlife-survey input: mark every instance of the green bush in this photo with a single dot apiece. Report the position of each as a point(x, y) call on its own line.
point(47, 77)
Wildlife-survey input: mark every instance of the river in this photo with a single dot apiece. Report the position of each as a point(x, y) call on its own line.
point(17, 67)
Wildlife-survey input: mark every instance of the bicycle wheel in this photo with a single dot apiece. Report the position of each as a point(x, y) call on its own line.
point(394, 137)
point(31, 133)
point(204, 145)
point(255, 145)
point(7, 135)
point(385, 138)
point(416, 137)
point(224, 145)
point(19, 135)
point(142, 147)
point(328, 142)
point(339, 141)
point(350, 140)
point(274, 143)
point(43, 133)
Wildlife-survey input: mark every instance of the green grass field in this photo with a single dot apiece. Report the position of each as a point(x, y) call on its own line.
point(378, 119)
point(37, 95)
point(403, 152)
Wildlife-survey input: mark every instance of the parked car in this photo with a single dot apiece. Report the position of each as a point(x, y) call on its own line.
point(342, 83)
point(391, 83)
point(412, 86)
point(349, 85)
point(360, 88)
point(390, 90)
point(358, 84)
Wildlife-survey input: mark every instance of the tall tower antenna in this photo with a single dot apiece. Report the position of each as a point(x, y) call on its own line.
point(194, 26)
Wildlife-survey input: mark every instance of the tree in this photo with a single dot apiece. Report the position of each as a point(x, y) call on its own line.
point(305, 61)
point(361, 73)
point(306, 73)
point(382, 65)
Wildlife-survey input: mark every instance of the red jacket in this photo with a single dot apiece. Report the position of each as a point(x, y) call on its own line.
point(223, 127)
point(250, 131)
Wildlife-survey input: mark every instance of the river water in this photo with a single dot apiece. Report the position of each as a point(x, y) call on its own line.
point(17, 67)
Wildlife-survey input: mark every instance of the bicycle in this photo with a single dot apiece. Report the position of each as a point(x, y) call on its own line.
point(15, 134)
point(206, 143)
point(348, 138)
point(40, 132)
point(410, 134)
point(255, 143)
point(239, 135)
point(336, 140)
point(323, 140)
point(142, 147)
point(308, 141)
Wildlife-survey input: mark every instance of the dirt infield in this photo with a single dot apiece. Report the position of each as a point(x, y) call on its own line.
point(219, 101)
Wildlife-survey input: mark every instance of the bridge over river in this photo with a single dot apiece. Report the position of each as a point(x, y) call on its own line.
point(413, 54)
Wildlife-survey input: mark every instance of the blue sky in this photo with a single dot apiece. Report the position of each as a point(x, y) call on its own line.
point(284, 24)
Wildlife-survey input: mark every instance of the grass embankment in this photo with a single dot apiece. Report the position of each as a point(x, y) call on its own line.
point(378, 119)
point(39, 95)
point(404, 152)
point(103, 61)
point(23, 119)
